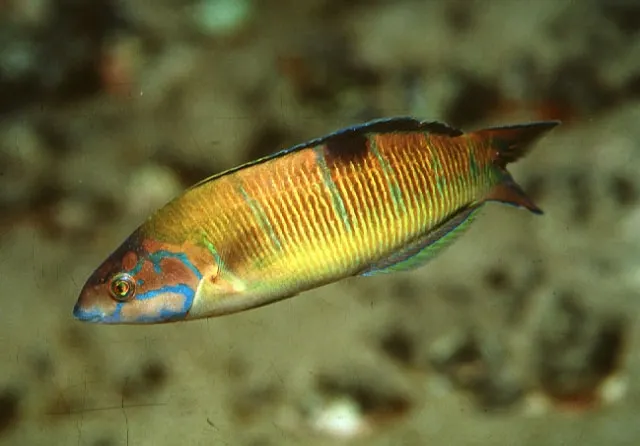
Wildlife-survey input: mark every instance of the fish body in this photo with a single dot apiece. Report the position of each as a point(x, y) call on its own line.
point(379, 197)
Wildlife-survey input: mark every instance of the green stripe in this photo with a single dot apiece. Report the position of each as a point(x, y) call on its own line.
point(441, 181)
point(391, 179)
point(214, 252)
point(258, 213)
point(338, 204)
point(473, 164)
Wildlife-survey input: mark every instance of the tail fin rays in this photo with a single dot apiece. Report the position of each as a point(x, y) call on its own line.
point(509, 192)
point(509, 144)
point(514, 141)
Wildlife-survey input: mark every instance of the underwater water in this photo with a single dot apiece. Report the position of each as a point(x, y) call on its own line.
point(525, 332)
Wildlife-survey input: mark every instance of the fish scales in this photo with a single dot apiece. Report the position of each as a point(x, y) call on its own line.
point(356, 202)
point(309, 204)
point(367, 229)
point(271, 216)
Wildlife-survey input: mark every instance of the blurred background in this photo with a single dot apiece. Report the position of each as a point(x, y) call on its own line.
point(523, 333)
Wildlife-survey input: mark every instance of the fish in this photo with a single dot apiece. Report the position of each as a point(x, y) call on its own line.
point(380, 197)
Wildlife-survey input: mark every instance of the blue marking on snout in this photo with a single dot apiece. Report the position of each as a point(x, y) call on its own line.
point(162, 314)
point(165, 314)
point(92, 314)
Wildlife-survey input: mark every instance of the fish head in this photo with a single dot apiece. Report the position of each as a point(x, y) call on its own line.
point(144, 281)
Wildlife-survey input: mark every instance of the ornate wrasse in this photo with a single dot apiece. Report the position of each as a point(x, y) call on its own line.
point(382, 196)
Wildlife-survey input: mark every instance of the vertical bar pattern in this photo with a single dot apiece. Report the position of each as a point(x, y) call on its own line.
point(339, 205)
point(327, 179)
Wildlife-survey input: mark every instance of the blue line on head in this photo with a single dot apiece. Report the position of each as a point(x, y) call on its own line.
point(163, 314)
point(156, 258)
point(181, 288)
point(138, 266)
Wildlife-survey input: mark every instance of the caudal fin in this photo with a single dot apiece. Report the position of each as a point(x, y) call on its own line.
point(514, 141)
point(509, 144)
point(509, 192)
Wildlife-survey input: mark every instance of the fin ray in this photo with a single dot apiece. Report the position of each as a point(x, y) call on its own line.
point(510, 143)
point(514, 141)
point(427, 247)
point(509, 192)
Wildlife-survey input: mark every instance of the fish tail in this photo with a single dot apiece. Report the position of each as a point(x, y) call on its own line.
point(508, 144)
point(513, 142)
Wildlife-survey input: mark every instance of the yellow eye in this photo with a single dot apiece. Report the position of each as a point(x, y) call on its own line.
point(122, 287)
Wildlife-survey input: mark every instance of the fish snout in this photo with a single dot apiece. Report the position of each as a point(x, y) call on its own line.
point(87, 314)
point(93, 304)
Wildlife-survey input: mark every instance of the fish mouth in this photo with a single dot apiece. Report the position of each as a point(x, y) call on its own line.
point(88, 315)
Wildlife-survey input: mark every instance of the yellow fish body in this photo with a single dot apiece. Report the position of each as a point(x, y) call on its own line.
point(379, 197)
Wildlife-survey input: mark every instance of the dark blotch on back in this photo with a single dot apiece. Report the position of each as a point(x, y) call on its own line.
point(352, 144)
point(345, 148)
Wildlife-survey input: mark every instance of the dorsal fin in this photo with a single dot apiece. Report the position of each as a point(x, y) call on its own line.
point(382, 125)
point(393, 125)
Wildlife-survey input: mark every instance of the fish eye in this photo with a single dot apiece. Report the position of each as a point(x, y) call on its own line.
point(122, 287)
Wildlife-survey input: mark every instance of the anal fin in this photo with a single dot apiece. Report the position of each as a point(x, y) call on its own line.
point(425, 248)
